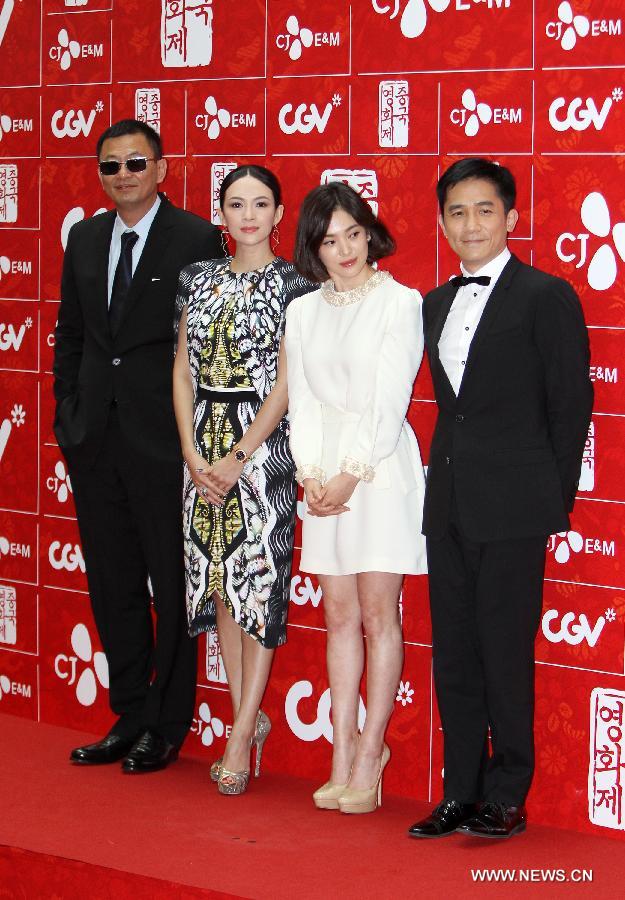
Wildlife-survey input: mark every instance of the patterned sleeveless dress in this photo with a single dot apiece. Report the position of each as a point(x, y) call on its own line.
point(243, 550)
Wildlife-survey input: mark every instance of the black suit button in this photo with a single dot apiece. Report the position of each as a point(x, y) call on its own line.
point(448, 460)
point(116, 361)
point(459, 418)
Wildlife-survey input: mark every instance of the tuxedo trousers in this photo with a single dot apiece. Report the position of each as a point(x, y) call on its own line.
point(129, 513)
point(486, 603)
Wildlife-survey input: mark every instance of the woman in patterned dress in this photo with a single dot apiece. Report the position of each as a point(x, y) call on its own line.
point(230, 398)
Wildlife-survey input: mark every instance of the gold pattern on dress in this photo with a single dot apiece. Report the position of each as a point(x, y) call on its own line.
point(221, 365)
point(346, 298)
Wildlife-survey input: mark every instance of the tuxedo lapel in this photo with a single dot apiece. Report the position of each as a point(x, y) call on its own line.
point(158, 237)
point(493, 304)
point(438, 370)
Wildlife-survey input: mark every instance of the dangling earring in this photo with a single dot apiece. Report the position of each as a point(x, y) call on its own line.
point(275, 239)
point(225, 234)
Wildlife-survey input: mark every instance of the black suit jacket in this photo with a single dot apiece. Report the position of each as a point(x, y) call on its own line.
point(510, 444)
point(93, 368)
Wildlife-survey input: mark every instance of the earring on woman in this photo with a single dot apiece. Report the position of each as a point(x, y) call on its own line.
point(225, 234)
point(275, 239)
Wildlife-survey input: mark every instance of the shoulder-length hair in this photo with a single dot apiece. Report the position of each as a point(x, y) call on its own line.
point(314, 219)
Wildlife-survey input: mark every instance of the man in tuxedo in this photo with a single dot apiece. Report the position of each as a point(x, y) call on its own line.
point(115, 425)
point(508, 352)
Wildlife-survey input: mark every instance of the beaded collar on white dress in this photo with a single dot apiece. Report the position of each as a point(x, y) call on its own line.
point(345, 298)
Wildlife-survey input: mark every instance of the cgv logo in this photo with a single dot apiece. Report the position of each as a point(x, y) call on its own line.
point(321, 726)
point(305, 118)
point(68, 557)
point(10, 339)
point(72, 123)
point(572, 632)
point(303, 590)
point(579, 114)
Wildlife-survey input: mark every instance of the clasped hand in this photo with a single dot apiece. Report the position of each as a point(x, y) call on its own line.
point(214, 482)
point(331, 499)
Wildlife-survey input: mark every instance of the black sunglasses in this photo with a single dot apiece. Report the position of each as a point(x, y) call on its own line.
point(134, 164)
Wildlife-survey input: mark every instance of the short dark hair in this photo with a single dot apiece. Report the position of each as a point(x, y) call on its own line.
point(314, 219)
point(260, 173)
point(132, 126)
point(501, 178)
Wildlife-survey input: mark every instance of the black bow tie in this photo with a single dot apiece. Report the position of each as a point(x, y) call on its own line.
point(461, 280)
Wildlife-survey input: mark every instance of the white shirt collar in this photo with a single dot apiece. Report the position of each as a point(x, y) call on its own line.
point(143, 225)
point(493, 269)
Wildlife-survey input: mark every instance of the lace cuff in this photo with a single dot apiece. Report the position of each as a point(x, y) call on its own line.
point(310, 472)
point(360, 470)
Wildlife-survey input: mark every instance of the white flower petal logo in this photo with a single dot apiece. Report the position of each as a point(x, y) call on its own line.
point(5, 685)
point(577, 26)
point(215, 727)
point(221, 118)
point(5, 265)
point(404, 693)
point(65, 485)
point(5, 125)
point(415, 15)
point(595, 215)
point(481, 113)
point(569, 540)
point(87, 687)
point(71, 49)
point(303, 37)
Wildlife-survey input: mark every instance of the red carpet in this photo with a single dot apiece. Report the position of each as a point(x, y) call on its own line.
point(171, 835)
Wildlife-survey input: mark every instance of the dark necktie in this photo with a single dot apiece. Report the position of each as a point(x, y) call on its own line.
point(461, 280)
point(122, 280)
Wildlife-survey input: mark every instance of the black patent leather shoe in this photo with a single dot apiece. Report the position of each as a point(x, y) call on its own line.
point(443, 820)
point(149, 753)
point(496, 820)
point(110, 749)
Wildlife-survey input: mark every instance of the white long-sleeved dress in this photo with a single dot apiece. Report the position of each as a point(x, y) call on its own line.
point(352, 360)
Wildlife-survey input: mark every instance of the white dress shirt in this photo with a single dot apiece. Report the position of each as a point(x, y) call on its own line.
point(141, 228)
point(464, 317)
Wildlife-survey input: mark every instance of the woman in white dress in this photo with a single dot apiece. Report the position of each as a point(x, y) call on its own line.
point(353, 350)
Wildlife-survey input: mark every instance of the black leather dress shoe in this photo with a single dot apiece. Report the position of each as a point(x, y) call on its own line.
point(149, 753)
point(496, 820)
point(110, 749)
point(443, 820)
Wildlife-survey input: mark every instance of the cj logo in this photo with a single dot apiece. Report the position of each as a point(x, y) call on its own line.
point(7, 125)
point(321, 726)
point(304, 118)
point(66, 50)
point(76, 214)
point(581, 115)
point(573, 632)
point(12, 340)
point(562, 543)
point(215, 118)
point(297, 38)
point(68, 557)
point(415, 15)
point(474, 114)
point(59, 483)
point(14, 688)
point(570, 27)
point(15, 266)
point(208, 727)
point(595, 216)
point(303, 590)
point(74, 123)
point(95, 667)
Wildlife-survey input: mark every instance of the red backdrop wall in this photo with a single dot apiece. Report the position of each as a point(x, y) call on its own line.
point(384, 93)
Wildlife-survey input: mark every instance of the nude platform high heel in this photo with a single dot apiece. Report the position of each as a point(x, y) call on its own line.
point(327, 796)
point(367, 800)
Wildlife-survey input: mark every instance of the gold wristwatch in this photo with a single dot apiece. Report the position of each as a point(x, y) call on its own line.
point(239, 454)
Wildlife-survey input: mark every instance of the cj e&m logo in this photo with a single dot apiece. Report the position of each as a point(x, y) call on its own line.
point(604, 373)
point(597, 220)
point(414, 13)
point(208, 727)
point(66, 50)
point(59, 483)
point(321, 726)
point(304, 118)
point(15, 266)
point(9, 688)
point(571, 27)
point(472, 114)
point(10, 339)
point(14, 549)
point(574, 629)
point(9, 125)
point(565, 543)
point(73, 123)
point(579, 114)
point(216, 118)
point(297, 38)
point(82, 668)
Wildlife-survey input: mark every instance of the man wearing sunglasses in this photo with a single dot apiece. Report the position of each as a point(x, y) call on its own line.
point(115, 425)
